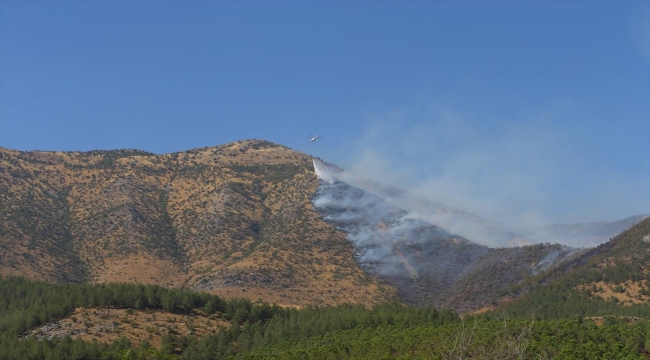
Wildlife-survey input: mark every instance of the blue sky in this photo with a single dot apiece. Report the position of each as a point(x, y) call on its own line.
point(525, 112)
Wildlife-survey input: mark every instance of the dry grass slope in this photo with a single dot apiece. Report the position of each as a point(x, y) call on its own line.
point(138, 326)
point(235, 220)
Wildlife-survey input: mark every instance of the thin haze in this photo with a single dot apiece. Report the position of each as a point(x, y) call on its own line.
point(526, 112)
point(527, 174)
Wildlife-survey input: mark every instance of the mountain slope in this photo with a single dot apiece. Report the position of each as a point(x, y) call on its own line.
point(585, 234)
point(235, 220)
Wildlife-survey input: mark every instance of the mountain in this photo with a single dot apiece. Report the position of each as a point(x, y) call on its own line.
point(256, 220)
point(235, 220)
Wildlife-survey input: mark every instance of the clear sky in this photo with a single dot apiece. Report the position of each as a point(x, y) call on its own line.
point(522, 111)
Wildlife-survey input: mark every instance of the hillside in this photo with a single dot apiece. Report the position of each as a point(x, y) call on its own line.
point(234, 220)
point(611, 279)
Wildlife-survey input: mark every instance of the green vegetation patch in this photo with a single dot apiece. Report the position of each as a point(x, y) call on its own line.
point(331, 332)
point(270, 173)
point(109, 156)
point(492, 339)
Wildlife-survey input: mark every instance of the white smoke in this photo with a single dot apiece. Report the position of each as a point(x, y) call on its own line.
point(554, 258)
point(414, 210)
point(374, 226)
point(527, 172)
point(397, 234)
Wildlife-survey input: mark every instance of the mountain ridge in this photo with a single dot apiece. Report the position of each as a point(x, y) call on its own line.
point(242, 220)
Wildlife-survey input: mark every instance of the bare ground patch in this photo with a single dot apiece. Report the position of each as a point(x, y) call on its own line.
point(107, 325)
point(627, 293)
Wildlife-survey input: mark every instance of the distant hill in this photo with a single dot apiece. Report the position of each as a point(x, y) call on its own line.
point(585, 234)
point(611, 279)
point(235, 220)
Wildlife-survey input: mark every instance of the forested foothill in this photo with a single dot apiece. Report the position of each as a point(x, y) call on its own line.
point(259, 330)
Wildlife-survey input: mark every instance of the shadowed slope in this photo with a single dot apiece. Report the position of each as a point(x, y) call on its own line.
point(426, 263)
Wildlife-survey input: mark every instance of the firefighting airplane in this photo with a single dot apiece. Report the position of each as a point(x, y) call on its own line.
point(314, 138)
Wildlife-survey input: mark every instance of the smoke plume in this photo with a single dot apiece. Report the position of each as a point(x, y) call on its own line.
point(403, 238)
point(379, 230)
point(376, 200)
